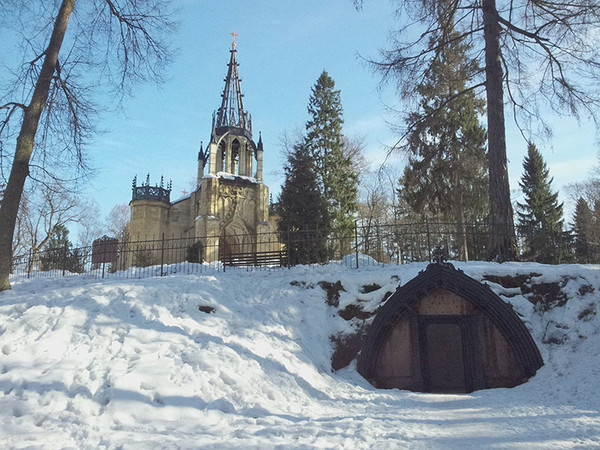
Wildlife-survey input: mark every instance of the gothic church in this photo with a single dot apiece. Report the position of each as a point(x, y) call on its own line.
point(230, 205)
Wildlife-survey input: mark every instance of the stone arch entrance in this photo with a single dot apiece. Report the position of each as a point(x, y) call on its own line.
point(227, 247)
point(445, 332)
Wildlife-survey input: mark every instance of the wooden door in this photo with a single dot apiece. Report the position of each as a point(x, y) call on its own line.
point(446, 356)
point(225, 249)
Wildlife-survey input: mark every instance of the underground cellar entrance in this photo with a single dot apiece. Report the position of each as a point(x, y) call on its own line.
point(446, 332)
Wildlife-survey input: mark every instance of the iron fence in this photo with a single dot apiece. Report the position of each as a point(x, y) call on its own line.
point(369, 243)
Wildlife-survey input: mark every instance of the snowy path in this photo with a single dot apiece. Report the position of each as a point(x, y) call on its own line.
point(135, 364)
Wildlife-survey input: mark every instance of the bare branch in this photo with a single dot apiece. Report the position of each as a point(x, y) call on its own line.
point(12, 105)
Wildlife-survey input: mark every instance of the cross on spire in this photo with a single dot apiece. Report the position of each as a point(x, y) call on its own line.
point(234, 34)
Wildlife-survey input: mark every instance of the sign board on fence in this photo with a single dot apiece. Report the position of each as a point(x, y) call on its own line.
point(105, 250)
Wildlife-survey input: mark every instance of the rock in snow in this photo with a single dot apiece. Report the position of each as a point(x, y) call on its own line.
point(136, 364)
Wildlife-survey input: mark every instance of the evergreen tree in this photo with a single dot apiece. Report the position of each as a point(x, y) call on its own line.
point(446, 175)
point(334, 167)
point(584, 229)
point(303, 210)
point(540, 216)
point(59, 253)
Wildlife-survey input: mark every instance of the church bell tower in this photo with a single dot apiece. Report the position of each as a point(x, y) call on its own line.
point(232, 201)
point(231, 149)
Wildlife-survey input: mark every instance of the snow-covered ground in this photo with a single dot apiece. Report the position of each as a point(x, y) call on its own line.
point(135, 364)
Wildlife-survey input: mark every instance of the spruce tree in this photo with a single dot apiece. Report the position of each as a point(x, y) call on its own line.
point(325, 142)
point(302, 209)
point(446, 176)
point(540, 217)
point(59, 253)
point(584, 230)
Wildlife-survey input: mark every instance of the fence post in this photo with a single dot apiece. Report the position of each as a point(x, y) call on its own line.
point(30, 263)
point(162, 254)
point(356, 240)
point(288, 248)
point(64, 265)
point(428, 237)
point(223, 263)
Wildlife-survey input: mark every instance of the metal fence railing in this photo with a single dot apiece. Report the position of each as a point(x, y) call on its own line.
point(367, 244)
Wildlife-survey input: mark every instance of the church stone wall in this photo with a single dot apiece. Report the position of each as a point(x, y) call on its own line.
point(234, 211)
point(149, 219)
point(180, 221)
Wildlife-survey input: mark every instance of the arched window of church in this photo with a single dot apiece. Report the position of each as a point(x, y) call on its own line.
point(249, 162)
point(235, 157)
point(221, 157)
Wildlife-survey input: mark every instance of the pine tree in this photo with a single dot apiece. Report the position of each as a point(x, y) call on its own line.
point(59, 253)
point(540, 216)
point(303, 210)
point(324, 140)
point(446, 175)
point(584, 229)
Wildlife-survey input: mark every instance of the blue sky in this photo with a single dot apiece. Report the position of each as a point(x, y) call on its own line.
point(282, 48)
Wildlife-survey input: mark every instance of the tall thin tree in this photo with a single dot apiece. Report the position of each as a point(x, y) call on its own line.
point(446, 173)
point(302, 209)
point(586, 234)
point(540, 215)
point(334, 167)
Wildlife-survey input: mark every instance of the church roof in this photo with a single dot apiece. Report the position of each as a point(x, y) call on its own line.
point(231, 114)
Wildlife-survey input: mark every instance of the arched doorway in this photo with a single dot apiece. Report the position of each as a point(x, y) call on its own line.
point(446, 332)
point(227, 247)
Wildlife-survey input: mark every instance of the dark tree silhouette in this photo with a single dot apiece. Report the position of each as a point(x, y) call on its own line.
point(540, 215)
point(302, 210)
point(334, 166)
point(446, 175)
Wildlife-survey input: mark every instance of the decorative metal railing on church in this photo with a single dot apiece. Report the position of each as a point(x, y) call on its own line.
point(369, 243)
point(147, 192)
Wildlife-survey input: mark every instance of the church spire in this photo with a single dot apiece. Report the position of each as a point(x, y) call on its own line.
point(231, 113)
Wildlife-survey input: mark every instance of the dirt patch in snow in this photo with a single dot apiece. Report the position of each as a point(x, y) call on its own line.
point(333, 292)
point(544, 296)
point(346, 348)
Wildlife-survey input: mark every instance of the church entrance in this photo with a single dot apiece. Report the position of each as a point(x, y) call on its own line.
point(446, 354)
point(225, 248)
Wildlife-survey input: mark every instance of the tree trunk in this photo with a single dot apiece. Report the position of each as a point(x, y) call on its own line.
point(31, 117)
point(459, 211)
point(503, 244)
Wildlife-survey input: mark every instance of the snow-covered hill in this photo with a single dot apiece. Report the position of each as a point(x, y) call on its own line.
point(243, 359)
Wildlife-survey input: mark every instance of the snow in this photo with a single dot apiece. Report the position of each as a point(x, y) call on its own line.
point(135, 364)
point(230, 176)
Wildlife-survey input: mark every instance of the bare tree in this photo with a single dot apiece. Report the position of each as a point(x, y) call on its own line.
point(117, 222)
point(375, 211)
point(540, 54)
point(115, 39)
point(354, 147)
point(589, 190)
point(90, 227)
point(44, 209)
